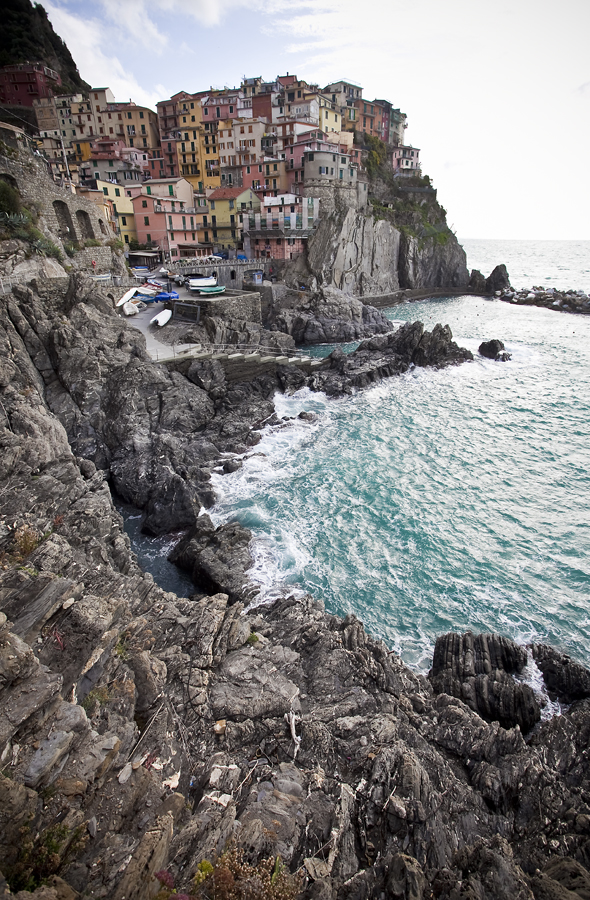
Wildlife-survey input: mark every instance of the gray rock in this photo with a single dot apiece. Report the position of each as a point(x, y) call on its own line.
point(47, 757)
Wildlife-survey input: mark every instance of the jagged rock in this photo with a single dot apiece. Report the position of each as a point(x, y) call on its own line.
point(477, 282)
point(138, 882)
point(47, 757)
point(569, 874)
point(217, 558)
point(498, 280)
point(564, 677)
point(477, 669)
point(494, 349)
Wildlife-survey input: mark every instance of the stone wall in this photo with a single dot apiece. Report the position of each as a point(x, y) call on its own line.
point(63, 216)
point(243, 306)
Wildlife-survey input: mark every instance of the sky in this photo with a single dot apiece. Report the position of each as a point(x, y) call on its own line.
point(497, 93)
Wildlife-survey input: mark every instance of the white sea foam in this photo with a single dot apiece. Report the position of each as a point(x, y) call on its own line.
point(533, 676)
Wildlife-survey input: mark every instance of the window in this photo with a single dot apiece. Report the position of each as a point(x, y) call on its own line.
point(149, 190)
point(218, 112)
point(123, 220)
point(111, 163)
point(171, 190)
point(128, 115)
point(105, 191)
point(310, 157)
point(140, 114)
point(126, 238)
point(117, 192)
point(148, 238)
point(95, 163)
point(212, 204)
point(146, 221)
point(171, 235)
point(231, 204)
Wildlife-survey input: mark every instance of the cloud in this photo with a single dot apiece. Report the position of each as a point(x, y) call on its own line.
point(85, 37)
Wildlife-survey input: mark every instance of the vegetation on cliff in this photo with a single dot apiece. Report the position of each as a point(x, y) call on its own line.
point(27, 35)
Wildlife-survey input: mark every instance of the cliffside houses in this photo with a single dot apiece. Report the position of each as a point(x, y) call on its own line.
point(244, 169)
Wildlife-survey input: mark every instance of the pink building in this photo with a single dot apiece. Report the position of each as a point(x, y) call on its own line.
point(162, 224)
point(280, 230)
point(406, 160)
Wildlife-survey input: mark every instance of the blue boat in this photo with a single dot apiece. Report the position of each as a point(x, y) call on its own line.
point(165, 295)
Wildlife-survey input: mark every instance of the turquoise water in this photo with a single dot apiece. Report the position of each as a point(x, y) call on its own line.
point(439, 500)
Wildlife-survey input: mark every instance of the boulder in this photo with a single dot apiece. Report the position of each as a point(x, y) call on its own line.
point(477, 282)
point(564, 677)
point(217, 558)
point(494, 349)
point(498, 280)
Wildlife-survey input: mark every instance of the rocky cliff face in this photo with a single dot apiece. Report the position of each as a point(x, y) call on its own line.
point(383, 249)
point(140, 731)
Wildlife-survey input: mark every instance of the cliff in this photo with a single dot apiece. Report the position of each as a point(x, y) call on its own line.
point(141, 732)
point(393, 237)
point(27, 35)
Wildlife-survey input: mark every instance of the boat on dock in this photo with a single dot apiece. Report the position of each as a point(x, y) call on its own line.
point(208, 291)
point(162, 318)
point(127, 296)
point(197, 283)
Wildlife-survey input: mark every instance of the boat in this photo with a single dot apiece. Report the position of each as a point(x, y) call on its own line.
point(132, 307)
point(206, 291)
point(162, 317)
point(127, 296)
point(196, 283)
point(166, 295)
point(147, 292)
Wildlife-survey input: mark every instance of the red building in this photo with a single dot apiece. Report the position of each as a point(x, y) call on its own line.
point(22, 83)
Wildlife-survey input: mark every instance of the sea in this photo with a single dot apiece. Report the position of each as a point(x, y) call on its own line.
point(437, 501)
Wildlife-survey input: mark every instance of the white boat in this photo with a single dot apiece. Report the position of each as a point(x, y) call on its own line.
point(130, 309)
point(195, 284)
point(148, 291)
point(162, 317)
point(131, 293)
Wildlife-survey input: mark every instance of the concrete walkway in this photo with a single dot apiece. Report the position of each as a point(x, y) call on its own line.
point(156, 349)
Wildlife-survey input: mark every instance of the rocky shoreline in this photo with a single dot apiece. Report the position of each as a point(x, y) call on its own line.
point(142, 732)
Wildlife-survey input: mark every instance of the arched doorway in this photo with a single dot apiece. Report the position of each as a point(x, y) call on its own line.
point(84, 224)
point(65, 226)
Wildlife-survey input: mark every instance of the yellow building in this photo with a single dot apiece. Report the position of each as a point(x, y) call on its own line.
point(120, 208)
point(330, 118)
point(226, 206)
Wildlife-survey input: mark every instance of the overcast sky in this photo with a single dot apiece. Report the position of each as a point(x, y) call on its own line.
point(497, 93)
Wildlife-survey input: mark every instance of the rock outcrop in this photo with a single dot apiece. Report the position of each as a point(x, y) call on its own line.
point(495, 350)
point(141, 731)
point(363, 255)
point(325, 316)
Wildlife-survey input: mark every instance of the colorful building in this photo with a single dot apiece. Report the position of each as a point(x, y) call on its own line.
point(406, 160)
point(226, 206)
point(23, 83)
point(281, 229)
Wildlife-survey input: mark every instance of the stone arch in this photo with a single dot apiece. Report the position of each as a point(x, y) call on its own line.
point(84, 224)
point(102, 226)
point(65, 225)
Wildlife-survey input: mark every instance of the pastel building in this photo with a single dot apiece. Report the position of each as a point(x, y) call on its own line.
point(282, 227)
point(405, 160)
point(166, 223)
point(226, 206)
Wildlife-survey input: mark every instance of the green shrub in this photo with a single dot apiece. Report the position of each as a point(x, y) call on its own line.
point(44, 855)
point(10, 201)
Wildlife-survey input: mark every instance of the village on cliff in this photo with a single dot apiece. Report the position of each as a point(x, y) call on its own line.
point(233, 171)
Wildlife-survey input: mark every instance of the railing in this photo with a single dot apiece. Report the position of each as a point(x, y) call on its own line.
point(253, 350)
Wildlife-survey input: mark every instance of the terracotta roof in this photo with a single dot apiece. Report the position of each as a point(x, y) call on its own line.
point(227, 193)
